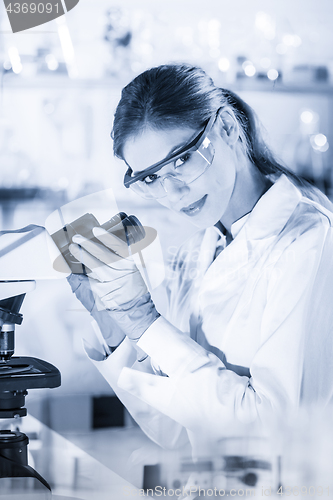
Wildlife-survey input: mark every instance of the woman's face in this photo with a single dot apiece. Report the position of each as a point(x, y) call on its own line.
point(203, 201)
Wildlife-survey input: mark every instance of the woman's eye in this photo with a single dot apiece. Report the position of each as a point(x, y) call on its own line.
point(150, 179)
point(183, 159)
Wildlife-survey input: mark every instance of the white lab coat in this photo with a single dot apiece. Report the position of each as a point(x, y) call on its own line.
point(260, 319)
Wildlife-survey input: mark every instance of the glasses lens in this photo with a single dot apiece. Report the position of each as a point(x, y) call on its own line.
point(187, 169)
point(195, 163)
point(140, 188)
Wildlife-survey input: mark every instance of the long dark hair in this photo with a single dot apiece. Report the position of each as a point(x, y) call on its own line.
point(175, 95)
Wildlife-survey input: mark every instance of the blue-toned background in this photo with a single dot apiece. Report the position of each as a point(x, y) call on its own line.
point(59, 86)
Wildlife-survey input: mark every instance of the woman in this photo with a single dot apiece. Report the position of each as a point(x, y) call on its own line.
point(248, 336)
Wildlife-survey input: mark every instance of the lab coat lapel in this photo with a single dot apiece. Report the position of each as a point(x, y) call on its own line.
point(238, 266)
point(207, 252)
point(273, 210)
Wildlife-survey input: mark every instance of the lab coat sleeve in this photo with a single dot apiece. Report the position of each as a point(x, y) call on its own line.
point(159, 428)
point(204, 396)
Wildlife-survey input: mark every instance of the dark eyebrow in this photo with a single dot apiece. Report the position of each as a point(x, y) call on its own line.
point(178, 147)
point(175, 149)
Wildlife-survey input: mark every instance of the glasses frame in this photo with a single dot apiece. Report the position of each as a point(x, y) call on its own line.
point(192, 146)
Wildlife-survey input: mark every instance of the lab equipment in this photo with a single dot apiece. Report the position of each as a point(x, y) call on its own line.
point(121, 235)
point(66, 221)
point(247, 465)
point(17, 374)
point(127, 228)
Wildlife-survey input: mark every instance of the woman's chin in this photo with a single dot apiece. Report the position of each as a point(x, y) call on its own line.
point(201, 221)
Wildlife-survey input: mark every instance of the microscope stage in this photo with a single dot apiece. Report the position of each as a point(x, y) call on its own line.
point(21, 373)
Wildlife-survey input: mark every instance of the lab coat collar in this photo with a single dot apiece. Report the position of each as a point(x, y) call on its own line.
point(271, 212)
point(235, 227)
point(238, 224)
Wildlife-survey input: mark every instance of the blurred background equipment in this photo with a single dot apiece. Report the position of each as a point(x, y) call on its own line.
point(246, 465)
point(59, 87)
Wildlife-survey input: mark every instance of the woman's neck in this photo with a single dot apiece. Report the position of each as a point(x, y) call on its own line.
point(250, 185)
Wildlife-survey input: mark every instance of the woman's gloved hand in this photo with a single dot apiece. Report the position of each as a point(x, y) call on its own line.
point(116, 281)
point(112, 333)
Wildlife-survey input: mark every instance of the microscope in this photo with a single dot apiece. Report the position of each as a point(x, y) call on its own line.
point(26, 256)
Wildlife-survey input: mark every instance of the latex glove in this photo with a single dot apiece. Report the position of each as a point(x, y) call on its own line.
point(116, 281)
point(112, 333)
point(117, 278)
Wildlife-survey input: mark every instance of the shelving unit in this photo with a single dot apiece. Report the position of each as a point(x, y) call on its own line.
point(61, 81)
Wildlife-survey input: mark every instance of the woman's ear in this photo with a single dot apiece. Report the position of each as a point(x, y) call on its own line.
point(229, 127)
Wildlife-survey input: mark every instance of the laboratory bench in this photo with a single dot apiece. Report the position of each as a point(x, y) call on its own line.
point(122, 462)
point(70, 470)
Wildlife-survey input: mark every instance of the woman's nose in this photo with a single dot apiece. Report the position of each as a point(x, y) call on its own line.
point(175, 188)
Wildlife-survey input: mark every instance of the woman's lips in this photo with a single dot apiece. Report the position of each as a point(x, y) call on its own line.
point(194, 208)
